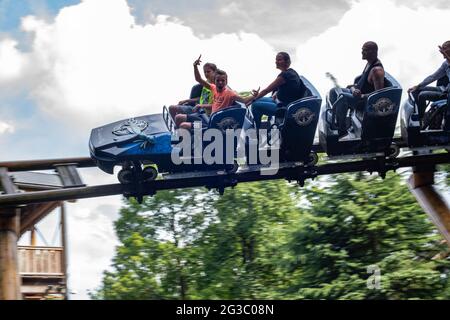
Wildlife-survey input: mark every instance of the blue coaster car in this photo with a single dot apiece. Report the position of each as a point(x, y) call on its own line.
point(431, 132)
point(297, 124)
point(371, 129)
point(151, 140)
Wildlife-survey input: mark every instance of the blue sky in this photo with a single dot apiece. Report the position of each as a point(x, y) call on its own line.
point(21, 107)
point(106, 60)
point(12, 10)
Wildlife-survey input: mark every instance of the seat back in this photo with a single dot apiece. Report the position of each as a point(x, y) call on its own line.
point(229, 118)
point(196, 91)
point(380, 112)
point(300, 123)
point(442, 81)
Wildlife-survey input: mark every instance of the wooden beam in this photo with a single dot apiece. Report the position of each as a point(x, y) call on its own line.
point(9, 228)
point(9, 267)
point(31, 215)
point(64, 246)
point(429, 198)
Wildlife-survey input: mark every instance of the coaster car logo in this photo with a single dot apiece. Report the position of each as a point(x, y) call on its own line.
point(227, 123)
point(131, 126)
point(303, 116)
point(383, 107)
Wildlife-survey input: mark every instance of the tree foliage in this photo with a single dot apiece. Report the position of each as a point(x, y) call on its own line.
point(353, 224)
point(272, 240)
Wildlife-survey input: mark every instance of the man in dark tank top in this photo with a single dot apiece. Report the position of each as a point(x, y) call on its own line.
point(355, 95)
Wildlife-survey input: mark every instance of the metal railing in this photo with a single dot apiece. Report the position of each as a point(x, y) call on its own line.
point(168, 119)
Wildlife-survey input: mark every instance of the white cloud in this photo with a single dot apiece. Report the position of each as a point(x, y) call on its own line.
point(12, 61)
point(92, 242)
point(93, 64)
point(92, 239)
point(6, 128)
point(96, 65)
point(407, 41)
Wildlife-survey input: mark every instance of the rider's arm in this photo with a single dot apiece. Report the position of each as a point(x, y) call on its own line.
point(378, 78)
point(199, 78)
point(203, 106)
point(273, 86)
point(439, 73)
point(189, 101)
point(245, 100)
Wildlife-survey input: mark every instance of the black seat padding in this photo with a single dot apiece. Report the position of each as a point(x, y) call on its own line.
point(442, 81)
point(196, 91)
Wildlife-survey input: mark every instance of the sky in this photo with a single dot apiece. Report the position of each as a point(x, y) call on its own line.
point(67, 66)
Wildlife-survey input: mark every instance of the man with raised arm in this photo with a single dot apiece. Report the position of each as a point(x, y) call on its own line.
point(223, 97)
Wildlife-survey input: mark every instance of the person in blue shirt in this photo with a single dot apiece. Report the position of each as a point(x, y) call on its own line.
point(423, 93)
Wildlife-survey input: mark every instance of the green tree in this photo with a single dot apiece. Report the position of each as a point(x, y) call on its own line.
point(154, 258)
point(355, 222)
point(244, 251)
point(270, 240)
point(191, 244)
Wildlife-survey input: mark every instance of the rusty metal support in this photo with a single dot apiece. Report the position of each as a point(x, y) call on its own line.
point(421, 186)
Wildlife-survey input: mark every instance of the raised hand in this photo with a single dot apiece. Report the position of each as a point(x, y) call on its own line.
point(197, 108)
point(412, 89)
point(198, 61)
point(255, 92)
point(356, 93)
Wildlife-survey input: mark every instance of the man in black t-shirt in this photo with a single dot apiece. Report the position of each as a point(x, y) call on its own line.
point(355, 95)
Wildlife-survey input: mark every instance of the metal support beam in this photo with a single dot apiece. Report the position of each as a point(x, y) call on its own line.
point(421, 186)
point(6, 183)
point(47, 164)
point(69, 175)
point(293, 173)
point(85, 162)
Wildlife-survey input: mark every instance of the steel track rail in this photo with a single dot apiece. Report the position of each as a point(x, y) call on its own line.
point(85, 162)
point(220, 182)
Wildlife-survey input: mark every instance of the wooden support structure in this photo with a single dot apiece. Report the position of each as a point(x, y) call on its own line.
point(9, 231)
point(9, 265)
point(64, 257)
point(421, 184)
point(31, 215)
point(32, 272)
